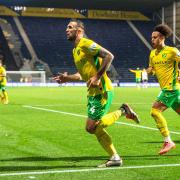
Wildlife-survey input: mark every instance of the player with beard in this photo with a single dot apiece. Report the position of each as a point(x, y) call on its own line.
point(92, 62)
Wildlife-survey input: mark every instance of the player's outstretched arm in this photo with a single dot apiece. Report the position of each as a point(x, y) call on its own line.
point(131, 70)
point(65, 77)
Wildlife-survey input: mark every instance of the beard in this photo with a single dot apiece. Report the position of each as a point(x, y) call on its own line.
point(153, 45)
point(71, 37)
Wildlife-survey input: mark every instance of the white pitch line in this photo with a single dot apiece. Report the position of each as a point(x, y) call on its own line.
point(55, 111)
point(87, 170)
point(144, 127)
point(79, 115)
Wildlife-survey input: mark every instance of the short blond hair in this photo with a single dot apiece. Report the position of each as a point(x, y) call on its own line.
point(79, 23)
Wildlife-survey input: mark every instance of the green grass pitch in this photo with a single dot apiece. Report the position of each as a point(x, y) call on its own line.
point(42, 136)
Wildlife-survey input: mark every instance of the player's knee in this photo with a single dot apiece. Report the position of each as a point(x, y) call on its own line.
point(90, 129)
point(154, 112)
point(91, 126)
point(178, 112)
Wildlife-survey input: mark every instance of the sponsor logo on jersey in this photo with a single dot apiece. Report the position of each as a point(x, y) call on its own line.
point(160, 62)
point(78, 52)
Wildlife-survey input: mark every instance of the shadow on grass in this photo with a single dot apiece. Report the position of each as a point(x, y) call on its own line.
point(30, 168)
point(150, 157)
point(72, 163)
point(67, 159)
point(159, 142)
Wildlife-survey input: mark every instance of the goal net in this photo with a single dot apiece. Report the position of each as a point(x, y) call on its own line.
point(26, 76)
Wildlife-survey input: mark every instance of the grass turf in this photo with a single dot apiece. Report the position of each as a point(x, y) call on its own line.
point(34, 140)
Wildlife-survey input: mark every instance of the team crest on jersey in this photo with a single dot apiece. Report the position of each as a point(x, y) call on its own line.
point(164, 55)
point(78, 52)
point(93, 47)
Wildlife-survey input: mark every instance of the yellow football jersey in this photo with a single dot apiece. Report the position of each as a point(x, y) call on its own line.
point(88, 63)
point(137, 73)
point(2, 73)
point(165, 65)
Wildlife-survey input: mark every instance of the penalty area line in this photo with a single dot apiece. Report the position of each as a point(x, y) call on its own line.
point(79, 115)
point(87, 170)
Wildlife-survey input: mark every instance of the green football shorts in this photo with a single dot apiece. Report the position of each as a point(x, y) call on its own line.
point(2, 87)
point(99, 105)
point(170, 98)
point(138, 80)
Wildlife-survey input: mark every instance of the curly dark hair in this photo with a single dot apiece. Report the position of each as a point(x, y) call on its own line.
point(163, 29)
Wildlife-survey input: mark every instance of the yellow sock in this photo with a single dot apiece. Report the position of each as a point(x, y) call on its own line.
point(102, 135)
point(160, 122)
point(105, 140)
point(110, 118)
point(5, 95)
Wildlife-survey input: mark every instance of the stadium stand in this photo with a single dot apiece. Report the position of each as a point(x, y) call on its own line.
point(48, 38)
point(24, 50)
point(6, 53)
point(146, 27)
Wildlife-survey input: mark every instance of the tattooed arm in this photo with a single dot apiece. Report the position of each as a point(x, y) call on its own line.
point(107, 58)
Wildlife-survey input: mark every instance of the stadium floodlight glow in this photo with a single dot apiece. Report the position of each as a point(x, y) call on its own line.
point(50, 9)
point(19, 8)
